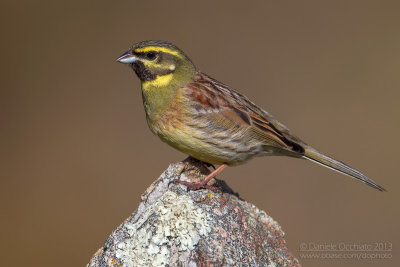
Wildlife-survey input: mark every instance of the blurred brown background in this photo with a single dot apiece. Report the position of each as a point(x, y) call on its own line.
point(76, 152)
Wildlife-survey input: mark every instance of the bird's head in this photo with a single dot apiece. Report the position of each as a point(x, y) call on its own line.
point(157, 62)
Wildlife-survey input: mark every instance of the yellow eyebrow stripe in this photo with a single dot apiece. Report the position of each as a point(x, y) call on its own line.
point(158, 49)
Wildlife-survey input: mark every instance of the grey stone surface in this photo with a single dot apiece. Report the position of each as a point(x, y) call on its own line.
point(176, 227)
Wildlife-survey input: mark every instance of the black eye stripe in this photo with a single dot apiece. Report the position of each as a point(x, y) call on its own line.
point(150, 55)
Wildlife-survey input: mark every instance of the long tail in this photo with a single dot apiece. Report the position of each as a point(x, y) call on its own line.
point(333, 164)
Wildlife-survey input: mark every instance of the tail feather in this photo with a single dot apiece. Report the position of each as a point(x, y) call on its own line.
point(315, 156)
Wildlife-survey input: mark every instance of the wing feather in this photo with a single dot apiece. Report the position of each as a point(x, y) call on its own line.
point(233, 110)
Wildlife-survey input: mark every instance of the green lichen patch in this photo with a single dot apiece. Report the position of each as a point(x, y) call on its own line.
point(172, 222)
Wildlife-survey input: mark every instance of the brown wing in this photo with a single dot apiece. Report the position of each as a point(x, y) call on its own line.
point(232, 110)
point(216, 101)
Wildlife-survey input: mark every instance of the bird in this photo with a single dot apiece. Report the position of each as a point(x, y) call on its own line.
point(208, 120)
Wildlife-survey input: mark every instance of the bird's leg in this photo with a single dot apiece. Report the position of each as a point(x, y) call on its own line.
point(203, 183)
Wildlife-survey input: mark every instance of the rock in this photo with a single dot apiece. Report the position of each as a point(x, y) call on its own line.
point(176, 227)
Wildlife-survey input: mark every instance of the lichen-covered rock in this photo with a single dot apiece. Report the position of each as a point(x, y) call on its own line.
point(176, 227)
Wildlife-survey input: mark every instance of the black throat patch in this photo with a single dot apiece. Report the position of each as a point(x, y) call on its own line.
point(141, 71)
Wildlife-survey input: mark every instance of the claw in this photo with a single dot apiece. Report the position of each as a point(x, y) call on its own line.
point(203, 183)
point(171, 182)
point(195, 186)
point(209, 165)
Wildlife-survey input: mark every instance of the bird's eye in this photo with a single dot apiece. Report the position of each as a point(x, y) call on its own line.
point(151, 55)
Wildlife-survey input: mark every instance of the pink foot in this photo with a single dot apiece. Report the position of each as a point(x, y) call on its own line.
point(203, 183)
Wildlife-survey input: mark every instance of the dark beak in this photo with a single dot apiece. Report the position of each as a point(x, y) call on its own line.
point(127, 57)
